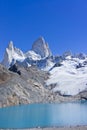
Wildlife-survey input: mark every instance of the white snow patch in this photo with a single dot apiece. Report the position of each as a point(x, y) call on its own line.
point(69, 80)
point(32, 55)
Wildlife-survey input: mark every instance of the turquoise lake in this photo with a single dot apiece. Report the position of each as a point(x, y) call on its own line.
point(44, 115)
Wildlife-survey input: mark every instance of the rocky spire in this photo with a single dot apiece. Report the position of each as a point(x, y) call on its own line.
point(41, 47)
point(12, 54)
point(10, 45)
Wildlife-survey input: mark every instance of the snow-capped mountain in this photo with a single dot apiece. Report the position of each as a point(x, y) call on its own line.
point(41, 47)
point(68, 73)
point(11, 55)
point(39, 52)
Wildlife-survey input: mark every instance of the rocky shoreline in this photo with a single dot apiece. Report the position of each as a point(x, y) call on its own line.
point(63, 128)
point(55, 128)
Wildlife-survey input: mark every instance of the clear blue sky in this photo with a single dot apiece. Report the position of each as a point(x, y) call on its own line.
point(63, 23)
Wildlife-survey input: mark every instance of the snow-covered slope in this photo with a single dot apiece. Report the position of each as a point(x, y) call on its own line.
point(70, 78)
point(32, 55)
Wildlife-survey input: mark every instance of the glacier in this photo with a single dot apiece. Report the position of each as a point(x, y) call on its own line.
point(69, 79)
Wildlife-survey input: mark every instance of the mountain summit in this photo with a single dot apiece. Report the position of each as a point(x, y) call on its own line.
point(41, 47)
point(40, 51)
point(10, 45)
point(11, 55)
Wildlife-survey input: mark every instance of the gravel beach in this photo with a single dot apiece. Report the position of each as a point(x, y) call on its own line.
point(62, 128)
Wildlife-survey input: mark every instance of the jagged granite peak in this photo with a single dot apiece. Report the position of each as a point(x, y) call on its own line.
point(10, 45)
point(67, 53)
point(81, 56)
point(11, 55)
point(41, 47)
point(40, 51)
point(18, 51)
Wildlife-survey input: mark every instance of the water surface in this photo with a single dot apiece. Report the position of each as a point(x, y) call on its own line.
point(44, 115)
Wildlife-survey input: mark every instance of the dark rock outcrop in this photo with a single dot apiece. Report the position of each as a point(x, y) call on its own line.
point(14, 68)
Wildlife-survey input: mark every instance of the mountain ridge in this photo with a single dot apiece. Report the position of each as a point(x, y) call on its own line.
point(40, 50)
point(67, 72)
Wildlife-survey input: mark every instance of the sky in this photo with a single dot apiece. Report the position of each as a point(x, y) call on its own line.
point(63, 24)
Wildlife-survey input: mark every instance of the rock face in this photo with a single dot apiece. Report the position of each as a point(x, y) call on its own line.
point(4, 75)
point(41, 48)
point(29, 87)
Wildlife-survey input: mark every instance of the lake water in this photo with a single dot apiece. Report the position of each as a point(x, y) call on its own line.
point(44, 115)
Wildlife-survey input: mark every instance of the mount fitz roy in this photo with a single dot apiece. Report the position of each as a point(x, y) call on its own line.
point(42, 77)
point(39, 53)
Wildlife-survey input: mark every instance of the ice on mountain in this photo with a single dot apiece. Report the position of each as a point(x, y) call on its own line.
point(32, 55)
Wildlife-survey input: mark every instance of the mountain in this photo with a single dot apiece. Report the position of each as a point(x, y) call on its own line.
point(65, 76)
point(39, 52)
point(11, 55)
point(29, 86)
point(41, 48)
